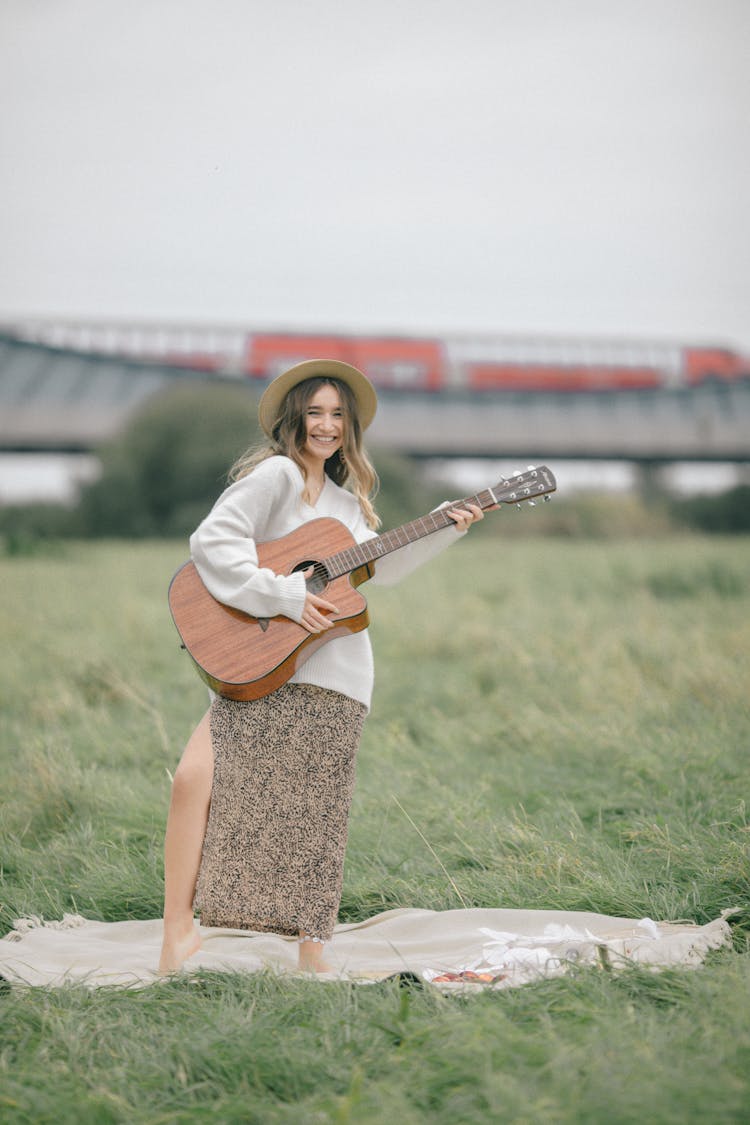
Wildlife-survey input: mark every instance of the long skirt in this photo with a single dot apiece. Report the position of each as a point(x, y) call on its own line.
point(284, 771)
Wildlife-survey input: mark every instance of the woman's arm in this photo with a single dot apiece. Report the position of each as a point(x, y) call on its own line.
point(225, 553)
point(400, 564)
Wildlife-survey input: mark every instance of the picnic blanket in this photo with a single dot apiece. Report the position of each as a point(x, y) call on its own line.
point(465, 950)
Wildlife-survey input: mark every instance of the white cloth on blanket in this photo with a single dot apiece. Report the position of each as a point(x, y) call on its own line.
point(481, 947)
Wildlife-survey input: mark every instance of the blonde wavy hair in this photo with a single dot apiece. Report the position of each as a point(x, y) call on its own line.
point(349, 466)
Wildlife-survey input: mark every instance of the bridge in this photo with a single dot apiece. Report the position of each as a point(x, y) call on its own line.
point(62, 400)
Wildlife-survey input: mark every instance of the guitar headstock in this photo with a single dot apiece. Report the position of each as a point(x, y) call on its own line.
point(527, 486)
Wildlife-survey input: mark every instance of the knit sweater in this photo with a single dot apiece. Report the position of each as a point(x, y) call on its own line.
point(267, 504)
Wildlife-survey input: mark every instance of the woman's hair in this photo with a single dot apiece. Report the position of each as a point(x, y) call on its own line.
point(348, 466)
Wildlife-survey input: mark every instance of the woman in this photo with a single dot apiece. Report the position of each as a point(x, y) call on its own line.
point(266, 850)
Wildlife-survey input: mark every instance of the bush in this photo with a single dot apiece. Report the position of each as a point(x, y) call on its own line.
point(28, 529)
point(728, 513)
point(607, 515)
point(161, 476)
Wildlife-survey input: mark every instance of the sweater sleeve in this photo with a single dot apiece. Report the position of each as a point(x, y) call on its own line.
point(399, 564)
point(224, 547)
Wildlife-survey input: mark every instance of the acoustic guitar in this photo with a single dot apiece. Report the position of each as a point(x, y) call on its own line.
point(244, 657)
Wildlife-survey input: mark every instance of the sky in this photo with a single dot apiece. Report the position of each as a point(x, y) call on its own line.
point(574, 167)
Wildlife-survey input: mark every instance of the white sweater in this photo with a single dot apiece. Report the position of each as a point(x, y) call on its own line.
point(267, 504)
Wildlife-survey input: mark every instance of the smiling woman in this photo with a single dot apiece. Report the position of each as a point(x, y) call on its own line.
point(260, 802)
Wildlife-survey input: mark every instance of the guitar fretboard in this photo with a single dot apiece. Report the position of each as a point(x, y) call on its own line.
point(344, 562)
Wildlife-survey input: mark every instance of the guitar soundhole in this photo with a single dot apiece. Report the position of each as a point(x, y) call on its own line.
point(318, 580)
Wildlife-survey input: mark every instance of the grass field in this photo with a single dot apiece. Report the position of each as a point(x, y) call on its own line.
point(567, 724)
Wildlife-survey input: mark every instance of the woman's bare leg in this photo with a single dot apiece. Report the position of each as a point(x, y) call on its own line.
point(311, 956)
point(183, 844)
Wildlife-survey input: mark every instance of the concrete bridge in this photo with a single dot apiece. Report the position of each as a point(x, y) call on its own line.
point(55, 399)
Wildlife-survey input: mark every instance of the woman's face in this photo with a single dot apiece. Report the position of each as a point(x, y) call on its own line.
point(324, 426)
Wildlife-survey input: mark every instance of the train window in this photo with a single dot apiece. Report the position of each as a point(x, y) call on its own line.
point(397, 374)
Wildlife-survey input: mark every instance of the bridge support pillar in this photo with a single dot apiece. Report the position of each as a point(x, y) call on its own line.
point(651, 480)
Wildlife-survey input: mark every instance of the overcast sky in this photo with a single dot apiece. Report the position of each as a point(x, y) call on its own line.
point(566, 166)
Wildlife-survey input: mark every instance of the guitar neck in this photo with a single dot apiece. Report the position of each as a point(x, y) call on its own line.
point(344, 562)
point(519, 488)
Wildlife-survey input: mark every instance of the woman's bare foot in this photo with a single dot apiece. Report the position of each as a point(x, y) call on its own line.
point(178, 944)
point(311, 957)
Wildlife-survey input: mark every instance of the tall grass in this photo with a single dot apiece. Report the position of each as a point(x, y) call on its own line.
point(557, 724)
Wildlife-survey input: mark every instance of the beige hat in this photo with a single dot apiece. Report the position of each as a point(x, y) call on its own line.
point(276, 391)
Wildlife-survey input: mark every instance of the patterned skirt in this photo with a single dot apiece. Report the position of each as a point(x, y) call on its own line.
point(284, 769)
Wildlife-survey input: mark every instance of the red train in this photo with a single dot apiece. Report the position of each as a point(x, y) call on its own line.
point(479, 363)
point(486, 364)
point(389, 362)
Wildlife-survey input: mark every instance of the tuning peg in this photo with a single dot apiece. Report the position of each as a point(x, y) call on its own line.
point(531, 468)
point(519, 507)
point(532, 503)
point(547, 499)
point(516, 473)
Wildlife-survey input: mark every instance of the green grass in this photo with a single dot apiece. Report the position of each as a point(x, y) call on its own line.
point(565, 722)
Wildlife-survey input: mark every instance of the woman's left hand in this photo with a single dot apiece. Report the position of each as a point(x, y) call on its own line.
point(465, 517)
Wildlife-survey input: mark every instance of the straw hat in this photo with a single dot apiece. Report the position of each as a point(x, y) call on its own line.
point(276, 391)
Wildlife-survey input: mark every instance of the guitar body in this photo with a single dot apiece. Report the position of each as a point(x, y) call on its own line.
point(244, 657)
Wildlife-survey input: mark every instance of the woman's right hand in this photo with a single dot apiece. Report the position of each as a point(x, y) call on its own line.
point(313, 618)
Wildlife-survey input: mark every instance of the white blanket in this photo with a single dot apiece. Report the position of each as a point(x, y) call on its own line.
point(453, 949)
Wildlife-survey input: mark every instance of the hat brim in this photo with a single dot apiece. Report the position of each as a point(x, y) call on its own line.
point(278, 389)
